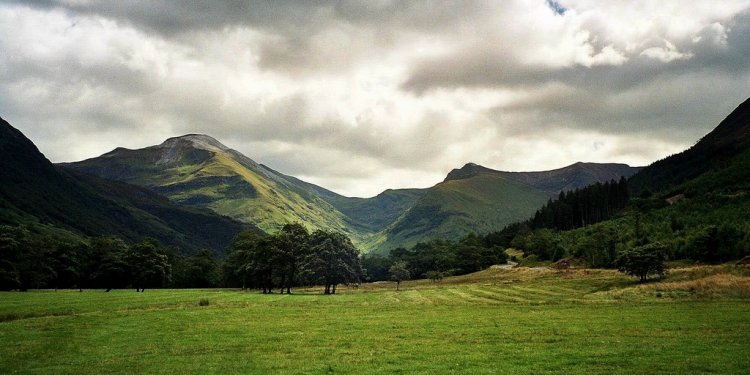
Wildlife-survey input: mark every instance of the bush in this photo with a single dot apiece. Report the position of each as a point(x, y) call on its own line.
point(203, 302)
point(434, 276)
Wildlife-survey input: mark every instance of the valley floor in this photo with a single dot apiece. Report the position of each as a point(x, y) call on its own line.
point(496, 321)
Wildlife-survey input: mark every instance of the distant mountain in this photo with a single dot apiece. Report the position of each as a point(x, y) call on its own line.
point(454, 208)
point(479, 199)
point(713, 152)
point(574, 176)
point(376, 213)
point(44, 197)
point(198, 170)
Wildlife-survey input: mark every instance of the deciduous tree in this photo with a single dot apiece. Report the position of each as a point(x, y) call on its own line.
point(399, 272)
point(332, 260)
point(643, 261)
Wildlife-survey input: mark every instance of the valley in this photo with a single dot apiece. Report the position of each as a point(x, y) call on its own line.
point(374, 187)
point(197, 170)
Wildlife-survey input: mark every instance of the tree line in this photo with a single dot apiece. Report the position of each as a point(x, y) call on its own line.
point(290, 258)
point(710, 228)
point(435, 259)
point(582, 207)
point(33, 261)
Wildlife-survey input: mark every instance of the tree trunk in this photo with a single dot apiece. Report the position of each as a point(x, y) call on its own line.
point(398, 284)
point(334, 288)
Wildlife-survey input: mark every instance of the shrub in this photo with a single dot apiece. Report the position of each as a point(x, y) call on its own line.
point(434, 276)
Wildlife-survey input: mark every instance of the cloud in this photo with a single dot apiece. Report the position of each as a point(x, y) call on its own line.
point(366, 95)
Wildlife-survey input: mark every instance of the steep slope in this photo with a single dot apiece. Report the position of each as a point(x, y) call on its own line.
point(729, 139)
point(198, 170)
point(36, 193)
point(366, 214)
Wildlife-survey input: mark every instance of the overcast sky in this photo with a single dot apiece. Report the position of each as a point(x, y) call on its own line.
point(362, 96)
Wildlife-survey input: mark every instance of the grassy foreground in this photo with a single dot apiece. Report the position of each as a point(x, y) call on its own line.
point(496, 321)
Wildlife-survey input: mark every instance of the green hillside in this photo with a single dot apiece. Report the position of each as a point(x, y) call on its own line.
point(694, 205)
point(59, 202)
point(707, 222)
point(454, 208)
point(376, 213)
point(476, 199)
point(199, 171)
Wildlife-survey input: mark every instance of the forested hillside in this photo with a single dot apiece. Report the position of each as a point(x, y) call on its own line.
point(693, 205)
point(714, 152)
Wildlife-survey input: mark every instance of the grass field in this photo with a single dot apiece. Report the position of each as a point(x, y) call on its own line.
point(496, 321)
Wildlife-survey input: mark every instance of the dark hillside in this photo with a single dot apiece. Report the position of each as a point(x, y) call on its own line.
point(35, 192)
point(713, 151)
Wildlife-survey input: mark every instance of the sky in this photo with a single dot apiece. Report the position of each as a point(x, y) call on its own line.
point(362, 96)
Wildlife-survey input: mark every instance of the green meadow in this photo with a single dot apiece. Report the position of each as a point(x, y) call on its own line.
point(516, 321)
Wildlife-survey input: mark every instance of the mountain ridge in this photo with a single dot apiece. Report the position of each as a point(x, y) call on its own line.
point(198, 170)
point(43, 196)
point(570, 177)
point(730, 138)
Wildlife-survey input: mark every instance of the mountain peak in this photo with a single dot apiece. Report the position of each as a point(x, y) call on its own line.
point(199, 141)
point(467, 171)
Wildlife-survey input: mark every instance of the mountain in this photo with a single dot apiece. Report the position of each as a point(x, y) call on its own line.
point(574, 176)
point(714, 151)
point(198, 170)
point(479, 199)
point(47, 198)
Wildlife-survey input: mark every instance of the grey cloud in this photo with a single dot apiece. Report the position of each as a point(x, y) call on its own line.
point(475, 68)
point(666, 108)
point(482, 64)
point(169, 17)
point(291, 26)
point(677, 101)
point(284, 16)
point(62, 99)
